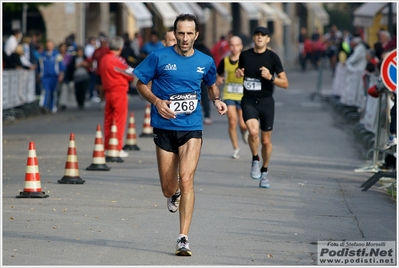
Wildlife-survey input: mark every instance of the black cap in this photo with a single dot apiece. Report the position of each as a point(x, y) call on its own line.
point(262, 30)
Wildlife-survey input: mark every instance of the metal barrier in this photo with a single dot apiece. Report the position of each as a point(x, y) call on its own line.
point(317, 92)
point(380, 133)
point(350, 98)
point(18, 92)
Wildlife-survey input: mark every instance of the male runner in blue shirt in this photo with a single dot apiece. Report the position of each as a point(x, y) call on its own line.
point(176, 73)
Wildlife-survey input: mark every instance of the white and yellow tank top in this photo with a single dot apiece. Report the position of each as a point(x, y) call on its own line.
point(233, 89)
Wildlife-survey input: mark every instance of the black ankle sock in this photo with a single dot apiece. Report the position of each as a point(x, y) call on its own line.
point(255, 158)
point(263, 169)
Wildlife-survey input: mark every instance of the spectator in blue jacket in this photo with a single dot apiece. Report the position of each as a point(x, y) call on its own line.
point(151, 45)
point(51, 69)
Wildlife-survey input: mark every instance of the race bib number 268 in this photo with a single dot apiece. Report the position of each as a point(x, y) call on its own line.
point(184, 103)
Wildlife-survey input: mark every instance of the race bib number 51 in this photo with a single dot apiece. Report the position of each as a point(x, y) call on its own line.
point(252, 84)
point(184, 103)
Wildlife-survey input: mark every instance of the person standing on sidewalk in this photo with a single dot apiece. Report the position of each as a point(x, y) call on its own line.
point(176, 73)
point(81, 76)
point(233, 92)
point(115, 76)
point(258, 66)
point(89, 49)
point(96, 58)
point(65, 87)
point(52, 70)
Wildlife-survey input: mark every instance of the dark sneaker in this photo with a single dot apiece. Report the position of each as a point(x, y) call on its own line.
point(255, 170)
point(264, 181)
point(173, 202)
point(182, 247)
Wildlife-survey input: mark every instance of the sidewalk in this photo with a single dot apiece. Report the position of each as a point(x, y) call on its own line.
point(119, 217)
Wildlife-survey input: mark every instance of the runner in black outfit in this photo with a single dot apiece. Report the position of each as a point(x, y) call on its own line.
point(258, 66)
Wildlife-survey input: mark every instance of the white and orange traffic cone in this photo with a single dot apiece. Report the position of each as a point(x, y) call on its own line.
point(33, 187)
point(147, 129)
point(71, 175)
point(131, 138)
point(98, 153)
point(113, 152)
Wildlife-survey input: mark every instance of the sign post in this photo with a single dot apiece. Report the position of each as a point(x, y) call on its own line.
point(389, 78)
point(389, 71)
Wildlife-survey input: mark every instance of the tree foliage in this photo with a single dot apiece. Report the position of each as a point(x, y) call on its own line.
point(16, 7)
point(341, 14)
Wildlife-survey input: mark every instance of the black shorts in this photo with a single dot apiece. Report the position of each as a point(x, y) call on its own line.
point(262, 109)
point(171, 140)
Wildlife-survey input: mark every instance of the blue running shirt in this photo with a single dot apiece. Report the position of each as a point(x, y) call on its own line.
point(179, 78)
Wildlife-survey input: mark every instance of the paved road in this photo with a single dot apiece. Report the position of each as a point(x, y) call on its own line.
point(119, 217)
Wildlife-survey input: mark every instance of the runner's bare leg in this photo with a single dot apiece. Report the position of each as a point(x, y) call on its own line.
point(189, 154)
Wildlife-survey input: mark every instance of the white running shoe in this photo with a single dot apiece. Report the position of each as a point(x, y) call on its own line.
point(95, 99)
point(236, 153)
point(122, 153)
point(390, 142)
point(182, 247)
point(173, 202)
point(264, 181)
point(255, 170)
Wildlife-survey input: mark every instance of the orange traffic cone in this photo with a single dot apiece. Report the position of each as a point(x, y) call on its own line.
point(147, 129)
point(113, 152)
point(131, 139)
point(98, 153)
point(33, 188)
point(71, 175)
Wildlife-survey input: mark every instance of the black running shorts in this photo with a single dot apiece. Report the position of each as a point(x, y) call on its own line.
point(171, 140)
point(262, 109)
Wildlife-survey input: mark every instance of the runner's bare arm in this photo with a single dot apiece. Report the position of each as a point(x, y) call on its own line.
point(239, 72)
point(214, 95)
point(128, 72)
point(280, 80)
point(161, 105)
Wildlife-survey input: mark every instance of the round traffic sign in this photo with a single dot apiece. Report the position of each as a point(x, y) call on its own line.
point(389, 71)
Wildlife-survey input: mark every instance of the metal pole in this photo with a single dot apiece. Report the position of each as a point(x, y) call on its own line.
point(390, 19)
point(24, 17)
point(376, 149)
point(317, 93)
point(83, 23)
point(377, 134)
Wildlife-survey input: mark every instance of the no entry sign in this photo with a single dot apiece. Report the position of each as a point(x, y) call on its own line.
point(389, 71)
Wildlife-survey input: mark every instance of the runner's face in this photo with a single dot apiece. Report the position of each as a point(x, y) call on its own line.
point(170, 39)
point(260, 40)
point(235, 45)
point(185, 36)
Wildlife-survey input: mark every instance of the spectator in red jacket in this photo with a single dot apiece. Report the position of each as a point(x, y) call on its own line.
point(115, 76)
point(220, 50)
point(96, 58)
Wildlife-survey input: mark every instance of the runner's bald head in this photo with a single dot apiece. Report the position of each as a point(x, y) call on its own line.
point(235, 39)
